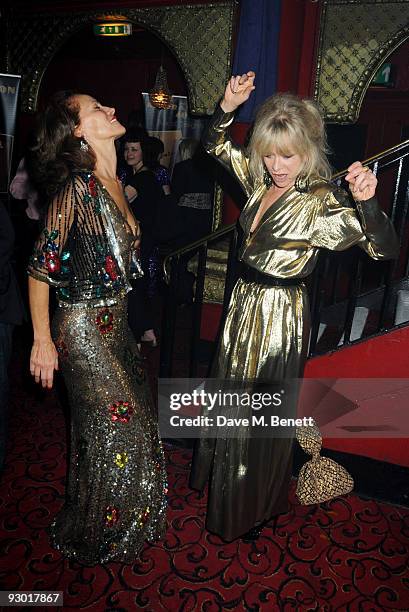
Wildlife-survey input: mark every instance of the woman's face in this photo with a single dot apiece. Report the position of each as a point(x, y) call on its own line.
point(133, 153)
point(97, 122)
point(283, 169)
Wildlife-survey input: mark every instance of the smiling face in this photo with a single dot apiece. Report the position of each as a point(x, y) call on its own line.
point(133, 154)
point(283, 169)
point(97, 122)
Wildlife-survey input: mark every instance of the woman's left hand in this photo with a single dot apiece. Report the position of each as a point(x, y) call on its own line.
point(362, 182)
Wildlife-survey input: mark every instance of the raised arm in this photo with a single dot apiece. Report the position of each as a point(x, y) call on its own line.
point(216, 139)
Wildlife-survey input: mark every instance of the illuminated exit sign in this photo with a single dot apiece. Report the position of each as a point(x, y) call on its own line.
point(113, 29)
point(383, 76)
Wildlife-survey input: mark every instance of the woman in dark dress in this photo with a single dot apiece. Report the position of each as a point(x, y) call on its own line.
point(292, 211)
point(154, 150)
point(116, 486)
point(144, 194)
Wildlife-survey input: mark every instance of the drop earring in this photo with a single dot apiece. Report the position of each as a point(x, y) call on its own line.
point(267, 180)
point(302, 184)
point(83, 145)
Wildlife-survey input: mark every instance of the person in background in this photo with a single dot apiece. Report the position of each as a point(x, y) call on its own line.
point(28, 221)
point(193, 188)
point(12, 313)
point(144, 195)
point(21, 188)
point(292, 211)
point(154, 150)
point(116, 488)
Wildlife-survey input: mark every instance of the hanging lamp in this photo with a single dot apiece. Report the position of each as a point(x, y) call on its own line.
point(160, 95)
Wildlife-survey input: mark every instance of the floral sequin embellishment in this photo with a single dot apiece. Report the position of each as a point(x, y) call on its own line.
point(52, 263)
point(49, 256)
point(121, 411)
point(104, 321)
point(121, 459)
point(92, 195)
point(92, 186)
point(110, 267)
point(108, 273)
point(112, 516)
point(142, 517)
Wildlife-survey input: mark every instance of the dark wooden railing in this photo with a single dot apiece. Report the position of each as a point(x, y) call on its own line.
point(348, 290)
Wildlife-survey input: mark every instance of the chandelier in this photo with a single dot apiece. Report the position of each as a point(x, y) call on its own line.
point(160, 95)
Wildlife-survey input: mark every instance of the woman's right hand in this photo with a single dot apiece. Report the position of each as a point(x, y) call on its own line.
point(238, 91)
point(43, 362)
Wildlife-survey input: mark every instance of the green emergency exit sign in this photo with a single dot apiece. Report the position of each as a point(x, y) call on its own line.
point(383, 76)
point(113, 29)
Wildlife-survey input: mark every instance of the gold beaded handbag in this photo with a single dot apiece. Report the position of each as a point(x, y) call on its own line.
point(320, 478)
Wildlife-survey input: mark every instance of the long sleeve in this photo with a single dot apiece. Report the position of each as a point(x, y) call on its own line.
point(217, 142)
point(50, 261)
point(338, 226)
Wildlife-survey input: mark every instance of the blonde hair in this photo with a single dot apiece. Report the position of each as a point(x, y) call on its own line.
point(287, 125)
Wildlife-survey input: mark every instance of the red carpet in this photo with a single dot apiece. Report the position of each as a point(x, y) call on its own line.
point(349, 554)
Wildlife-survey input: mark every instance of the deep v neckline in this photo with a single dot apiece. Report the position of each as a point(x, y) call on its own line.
point(268, 209)
point(121, 214)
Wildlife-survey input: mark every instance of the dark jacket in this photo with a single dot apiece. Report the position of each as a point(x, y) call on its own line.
point(11, 304)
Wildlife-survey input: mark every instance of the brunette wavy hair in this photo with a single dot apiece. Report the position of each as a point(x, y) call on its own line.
point(56, 152)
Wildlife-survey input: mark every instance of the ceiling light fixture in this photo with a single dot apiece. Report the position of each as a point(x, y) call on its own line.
point(160, 95)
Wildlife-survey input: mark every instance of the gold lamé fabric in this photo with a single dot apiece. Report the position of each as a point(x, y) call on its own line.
point(116, 488)
point(266, 332)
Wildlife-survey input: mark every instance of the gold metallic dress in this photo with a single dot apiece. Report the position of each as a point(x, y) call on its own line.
point(267, 329)
point(115, 498)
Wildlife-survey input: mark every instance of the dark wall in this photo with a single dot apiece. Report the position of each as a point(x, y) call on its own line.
point(383, 120)
point(114, 70)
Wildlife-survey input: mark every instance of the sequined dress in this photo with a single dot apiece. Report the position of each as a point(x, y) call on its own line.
point(115, 497)
point(266, 333)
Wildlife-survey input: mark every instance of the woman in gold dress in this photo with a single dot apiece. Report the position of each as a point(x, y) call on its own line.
point(292, 211)
point(116, 486)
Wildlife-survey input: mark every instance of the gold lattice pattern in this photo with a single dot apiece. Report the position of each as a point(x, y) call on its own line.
point(356, 38)
point(199, 36)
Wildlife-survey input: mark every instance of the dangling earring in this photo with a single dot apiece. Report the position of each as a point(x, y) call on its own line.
point(267, 179)
point(84, 145)
point(302, 184)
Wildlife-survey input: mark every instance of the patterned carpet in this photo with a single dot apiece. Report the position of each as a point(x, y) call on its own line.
point(349, 554)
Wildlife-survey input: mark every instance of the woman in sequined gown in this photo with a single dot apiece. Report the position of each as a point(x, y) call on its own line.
point(115, 498)
point(291, 212)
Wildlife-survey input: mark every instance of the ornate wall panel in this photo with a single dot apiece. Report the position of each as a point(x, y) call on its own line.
point(198, 35)
point(356, 36)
